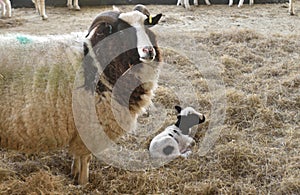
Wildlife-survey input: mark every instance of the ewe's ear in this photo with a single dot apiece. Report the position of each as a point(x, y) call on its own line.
point(151, 21)
point(178, 108)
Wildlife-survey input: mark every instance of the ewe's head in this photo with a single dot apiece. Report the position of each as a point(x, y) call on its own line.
point(126, 31)
point(151, 20)
point(187, 118)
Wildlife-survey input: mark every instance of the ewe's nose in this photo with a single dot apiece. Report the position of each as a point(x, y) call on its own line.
point(149, 52)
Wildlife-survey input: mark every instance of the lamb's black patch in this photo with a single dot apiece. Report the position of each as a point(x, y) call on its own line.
point(168, 150)
point(184, 123)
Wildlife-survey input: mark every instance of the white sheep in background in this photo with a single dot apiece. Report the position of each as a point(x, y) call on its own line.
point(6, 8)
point(40, 7)
point(176, 139)
point(37, 78)
point(186, 4)
point(291, 7)
point(241, 2)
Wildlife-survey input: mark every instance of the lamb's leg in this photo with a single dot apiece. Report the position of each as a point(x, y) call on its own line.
point(186, 154)
point(241, 2)
point(84, 169)
point(8, 4)
point(196, 2)
point(76, 5)
point(178, 2)
point(230, 3)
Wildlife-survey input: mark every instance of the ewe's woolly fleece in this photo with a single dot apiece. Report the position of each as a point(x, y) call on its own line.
point(37, 75)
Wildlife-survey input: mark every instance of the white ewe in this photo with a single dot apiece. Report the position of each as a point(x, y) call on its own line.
point(176, 139)
point(37, 79)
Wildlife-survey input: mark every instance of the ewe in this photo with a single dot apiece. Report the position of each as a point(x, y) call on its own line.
point(37, 79)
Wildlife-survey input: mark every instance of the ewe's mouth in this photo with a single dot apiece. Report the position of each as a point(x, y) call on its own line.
point(147, 59)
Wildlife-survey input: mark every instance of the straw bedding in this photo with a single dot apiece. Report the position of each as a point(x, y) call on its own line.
point(258, 148)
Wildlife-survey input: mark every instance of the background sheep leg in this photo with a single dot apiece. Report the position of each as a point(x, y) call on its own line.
point(40, 7)
point(72, 5)
point(76, 5)
point(291, 7)
point(3, 8)
point(6, 8)
point(241, 2)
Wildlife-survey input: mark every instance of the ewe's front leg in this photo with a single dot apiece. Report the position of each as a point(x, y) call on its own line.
point(80, 168)
point(84, 169)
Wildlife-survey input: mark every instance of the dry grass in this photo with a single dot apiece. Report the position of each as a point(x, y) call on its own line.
point(258, 151)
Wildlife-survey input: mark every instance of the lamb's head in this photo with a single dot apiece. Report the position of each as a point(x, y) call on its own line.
point(187, 118)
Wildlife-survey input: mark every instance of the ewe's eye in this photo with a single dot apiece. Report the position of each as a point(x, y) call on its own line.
point(176, 132)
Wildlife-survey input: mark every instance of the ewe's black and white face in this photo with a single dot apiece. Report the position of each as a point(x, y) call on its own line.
point(127, 33)
point(144, 46)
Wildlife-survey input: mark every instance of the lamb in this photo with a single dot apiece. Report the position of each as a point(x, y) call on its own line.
point(36, 95)
point(40, 7)
point(291, 7)
point(176, 139)
point(186, 4)
point(6, 8)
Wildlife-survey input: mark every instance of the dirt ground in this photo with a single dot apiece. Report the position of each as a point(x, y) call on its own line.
point(256, 52)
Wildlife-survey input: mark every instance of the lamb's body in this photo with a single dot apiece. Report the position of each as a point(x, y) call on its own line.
point(36, 92)
point(170, 143)
point(6, 8)
point(176, 139)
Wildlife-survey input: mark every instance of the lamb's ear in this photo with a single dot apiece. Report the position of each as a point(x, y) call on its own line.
point(151, 21)
point(178, 108)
